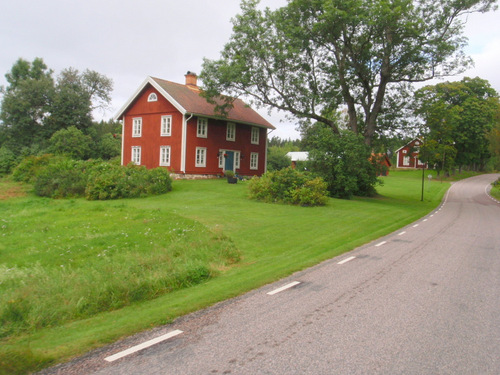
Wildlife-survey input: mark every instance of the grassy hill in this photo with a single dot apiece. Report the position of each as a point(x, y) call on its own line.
point(77, 274)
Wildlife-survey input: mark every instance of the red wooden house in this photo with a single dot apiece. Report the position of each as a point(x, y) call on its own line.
point(407, 156)
point(166, 124)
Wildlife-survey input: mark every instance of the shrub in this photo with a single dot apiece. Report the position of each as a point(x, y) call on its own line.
point(28, 169)
point(343, 161)
point(62, 177)
point(289, 186)
point(7, 160)
point(108, 181)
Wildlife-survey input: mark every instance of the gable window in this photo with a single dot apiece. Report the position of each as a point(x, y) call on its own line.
point(166, 126)
point(405, 151)
point(406, 160)
point(254, 160)
point(152, 97)
point(202, 128)
point(136, 155)
point(231, 131)
point(255, 136)
point(137, 127)
point(201, 157)
point(165, 156)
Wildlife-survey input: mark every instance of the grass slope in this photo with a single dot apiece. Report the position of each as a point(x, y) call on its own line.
point(273, 241)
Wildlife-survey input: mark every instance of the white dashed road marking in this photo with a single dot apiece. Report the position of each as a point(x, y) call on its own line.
point(284, 287)
point(380, 243)
point(346, 260)
point(142, 346)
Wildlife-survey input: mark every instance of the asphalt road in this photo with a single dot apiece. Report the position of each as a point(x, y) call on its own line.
point(423, 300)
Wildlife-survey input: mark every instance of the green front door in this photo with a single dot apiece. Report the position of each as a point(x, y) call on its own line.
point(229, 161)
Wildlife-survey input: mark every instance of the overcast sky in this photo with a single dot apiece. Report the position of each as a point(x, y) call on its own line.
point(128, 40)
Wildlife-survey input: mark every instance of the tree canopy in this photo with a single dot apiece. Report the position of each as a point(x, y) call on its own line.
point(313, 56)
point(34, 105)
point(458, 121)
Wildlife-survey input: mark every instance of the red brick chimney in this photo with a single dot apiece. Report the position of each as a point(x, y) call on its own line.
point(192, 80)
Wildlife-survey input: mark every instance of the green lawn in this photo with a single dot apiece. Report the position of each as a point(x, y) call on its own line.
point(224, 243)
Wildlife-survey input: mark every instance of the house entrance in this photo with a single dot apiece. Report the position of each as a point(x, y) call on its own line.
point(229, 161)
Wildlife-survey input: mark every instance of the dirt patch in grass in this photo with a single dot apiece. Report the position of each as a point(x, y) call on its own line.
point(9, 190)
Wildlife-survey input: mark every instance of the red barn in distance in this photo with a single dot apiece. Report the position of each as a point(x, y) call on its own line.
point(166, 124)
point(407, 156)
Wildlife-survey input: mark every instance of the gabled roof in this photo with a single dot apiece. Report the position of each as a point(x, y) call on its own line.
point(188, 101)
point(413, 140)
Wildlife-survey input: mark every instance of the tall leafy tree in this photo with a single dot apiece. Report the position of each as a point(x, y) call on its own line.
point(458, 118)
point(312, 56)
point(25, 103)
point(35, 106)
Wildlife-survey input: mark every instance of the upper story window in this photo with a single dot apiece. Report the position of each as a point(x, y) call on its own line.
point(231, 131)
point(405, 151)
point(202, 128)
point(137, 127)
point(136, 155)
point(152, 97)
point(166, 126)
point(255, 136)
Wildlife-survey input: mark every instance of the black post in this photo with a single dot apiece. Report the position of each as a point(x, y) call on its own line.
point(423, 173)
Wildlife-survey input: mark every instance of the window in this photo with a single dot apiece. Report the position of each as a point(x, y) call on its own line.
point(420, 162)
point(236, 160)
point(152, 97)
point(254, 160)
point(406, 160)
point(231, 131)
point(405, 151)
point(202, 127)
point(165, 156)
point(255, 136)
point(137, 127)
point(136, 155)
point(166, 126)
point(201, 157)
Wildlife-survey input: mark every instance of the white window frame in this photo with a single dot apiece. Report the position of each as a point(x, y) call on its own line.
point(202, 127)
point(201, 157)
point(231, 131)
point(166, 126)
point(165, 152)
point(136, 155)
point(137, 127)
point(237, 157)
point(406, 160)
point(254, 160)
point(254, 138)
point(405, 151)
point(152, 97)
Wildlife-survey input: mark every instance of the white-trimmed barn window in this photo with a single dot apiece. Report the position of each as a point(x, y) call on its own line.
point(165, 156)
point(202, 128)
point(166, 126)
point(201, 157)
point(255, 136)
point(406, 160)
point(254, 160)
point(152, 97)
point(231, 131)
point(137, 127)
point(136, 155)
